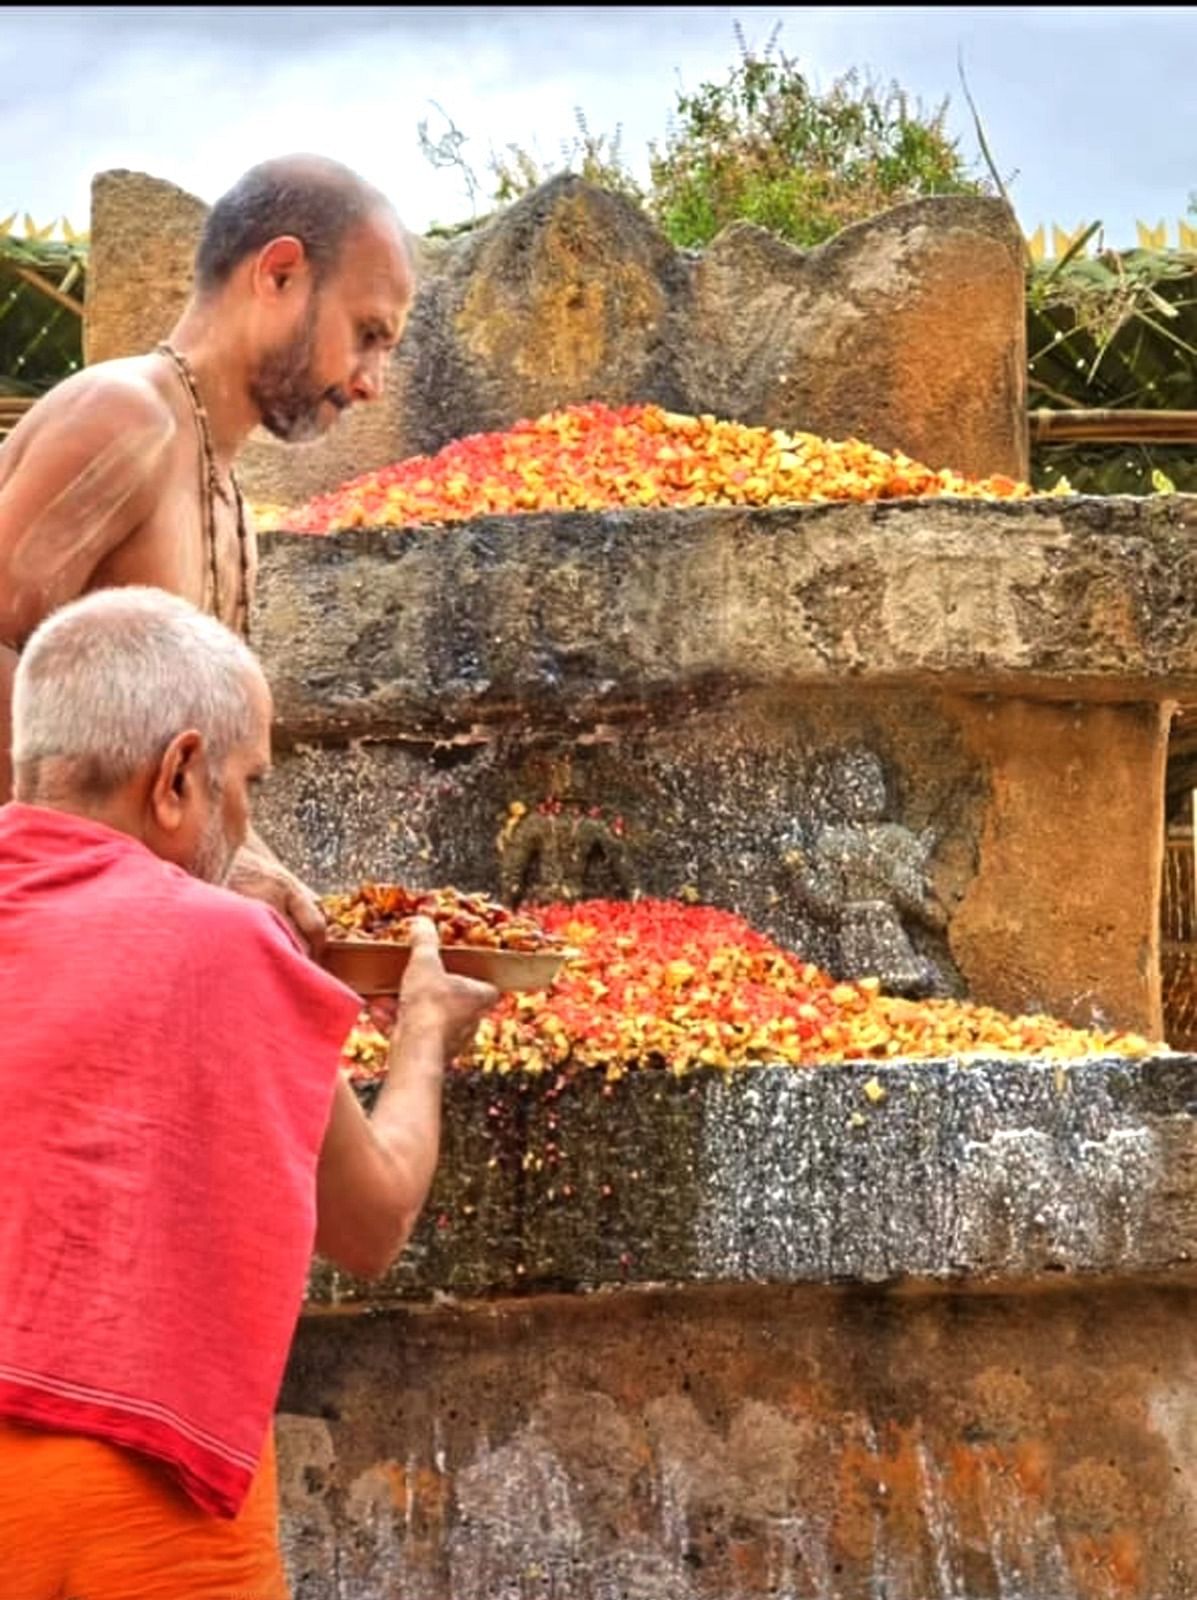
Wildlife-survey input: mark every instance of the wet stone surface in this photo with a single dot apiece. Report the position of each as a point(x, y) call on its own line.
point(994, 1171)
point(740, 807)
point(748, 1443)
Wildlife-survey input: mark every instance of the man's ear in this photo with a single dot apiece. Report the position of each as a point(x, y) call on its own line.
point(279, 266)
point(174, 786)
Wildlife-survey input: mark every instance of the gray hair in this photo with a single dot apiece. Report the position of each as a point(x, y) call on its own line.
point(105, 683)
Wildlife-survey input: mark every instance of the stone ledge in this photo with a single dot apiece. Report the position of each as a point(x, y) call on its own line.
point(754, 1443)
point(987, 1173)
point(560, 621)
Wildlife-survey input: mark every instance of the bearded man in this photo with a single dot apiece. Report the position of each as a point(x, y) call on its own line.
point(177, 1134)
point(123, 473)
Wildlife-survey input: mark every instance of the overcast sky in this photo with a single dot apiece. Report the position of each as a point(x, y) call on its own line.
point(1092, 107)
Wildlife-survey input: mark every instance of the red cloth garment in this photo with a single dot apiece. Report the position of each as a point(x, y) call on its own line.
point(168, 1056)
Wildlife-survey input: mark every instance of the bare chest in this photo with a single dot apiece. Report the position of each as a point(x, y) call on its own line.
point(194, 544)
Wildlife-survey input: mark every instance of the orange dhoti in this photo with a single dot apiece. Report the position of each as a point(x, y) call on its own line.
point(85, 1520)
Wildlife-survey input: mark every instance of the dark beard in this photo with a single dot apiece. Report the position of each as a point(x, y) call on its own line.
point(282, 388)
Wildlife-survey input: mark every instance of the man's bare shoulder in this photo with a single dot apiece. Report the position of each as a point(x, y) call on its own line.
point(108, 397)
point(111, 422)
point(79, 475)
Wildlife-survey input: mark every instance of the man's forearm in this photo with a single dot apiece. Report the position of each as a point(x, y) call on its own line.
point(407, 1116)
point(375, 1173)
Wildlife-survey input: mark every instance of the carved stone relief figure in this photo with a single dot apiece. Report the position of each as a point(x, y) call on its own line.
point(866, 879)
point(563, 849)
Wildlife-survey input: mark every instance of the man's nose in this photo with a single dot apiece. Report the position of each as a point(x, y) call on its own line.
point(370, 379)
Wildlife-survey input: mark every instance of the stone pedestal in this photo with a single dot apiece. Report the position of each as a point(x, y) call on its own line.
point(919, 1331)
point(935, 1345)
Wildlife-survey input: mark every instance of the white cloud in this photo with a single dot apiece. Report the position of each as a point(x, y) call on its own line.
point(197, 94)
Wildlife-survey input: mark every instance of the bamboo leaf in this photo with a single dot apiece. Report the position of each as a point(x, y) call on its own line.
point(1168, 333)
point(1075, 252)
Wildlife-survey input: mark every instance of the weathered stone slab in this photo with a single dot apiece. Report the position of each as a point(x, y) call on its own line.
point(563, 620)
point(995, 1172)
point(862, 337)
point(748, 1444)
point(143, 238)
point(1009, 669)
point(572, 295)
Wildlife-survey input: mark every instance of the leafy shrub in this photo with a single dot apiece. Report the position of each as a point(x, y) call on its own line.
point(766, 147)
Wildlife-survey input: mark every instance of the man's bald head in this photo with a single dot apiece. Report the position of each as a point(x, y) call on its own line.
point(305, 197)
point(307, 272)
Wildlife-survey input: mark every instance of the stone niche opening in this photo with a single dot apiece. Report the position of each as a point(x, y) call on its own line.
point(919, 1330)
point(955, 713)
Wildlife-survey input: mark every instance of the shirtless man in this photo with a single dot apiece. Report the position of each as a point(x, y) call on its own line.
point(122, 474)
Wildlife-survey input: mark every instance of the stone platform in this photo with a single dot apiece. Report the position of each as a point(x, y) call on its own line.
point(991, 1171)
point(919, 1330)
point(749, 1444)
point(818, 1345)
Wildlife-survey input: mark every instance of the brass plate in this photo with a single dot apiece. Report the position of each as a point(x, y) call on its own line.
point(375, 967)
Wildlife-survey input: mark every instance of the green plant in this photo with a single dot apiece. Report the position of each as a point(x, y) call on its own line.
point(598, 158)
point(765, 146)
point(761, 146)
